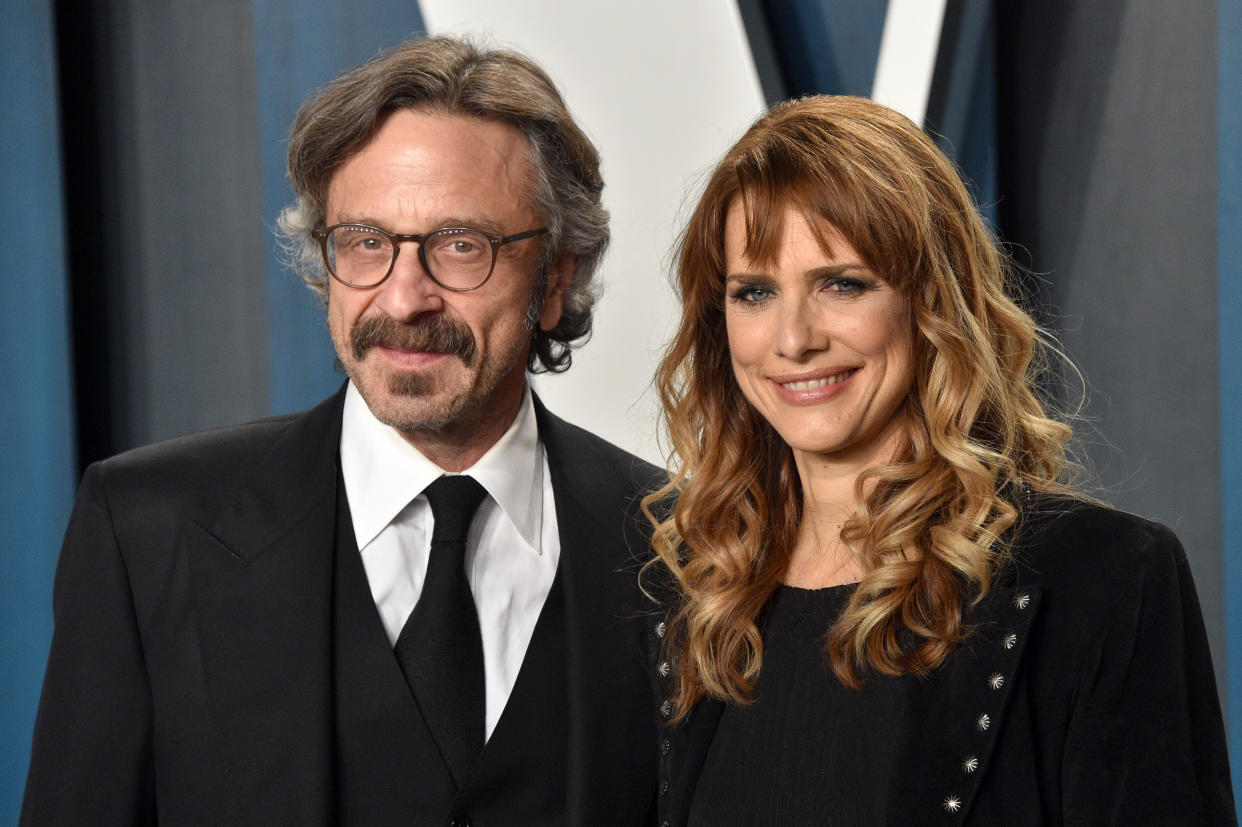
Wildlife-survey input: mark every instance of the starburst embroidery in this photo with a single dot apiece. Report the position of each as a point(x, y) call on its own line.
point(984, 722)
point(1022, 601)
point(996, 681)
point(660, 628)
point(664, 669)
point(970, 764)
point(1011, 640)
point(952, 804)
point(666, 708)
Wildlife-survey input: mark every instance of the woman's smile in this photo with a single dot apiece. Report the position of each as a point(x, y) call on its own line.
point(815, 388)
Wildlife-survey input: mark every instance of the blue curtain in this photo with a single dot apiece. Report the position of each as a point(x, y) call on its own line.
point(39, 474)
point(824, 47)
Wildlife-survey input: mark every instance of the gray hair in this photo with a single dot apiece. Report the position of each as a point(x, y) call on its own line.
point(455, 76)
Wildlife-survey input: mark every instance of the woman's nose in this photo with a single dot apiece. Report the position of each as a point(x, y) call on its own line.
point(801, 329)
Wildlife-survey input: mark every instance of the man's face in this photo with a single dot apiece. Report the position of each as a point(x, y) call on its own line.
point(445, 368)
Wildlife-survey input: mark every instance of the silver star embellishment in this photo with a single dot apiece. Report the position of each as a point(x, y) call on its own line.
point(664, 669)
point(996, 681)
point(660, 628)
point(984, 722)
point(1010, 641)
point(1022, 601)
point(952, 804)
point(970, 764)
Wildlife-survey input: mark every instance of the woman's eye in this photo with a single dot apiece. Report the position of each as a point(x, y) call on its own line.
point(751, 294)
point(844, 286)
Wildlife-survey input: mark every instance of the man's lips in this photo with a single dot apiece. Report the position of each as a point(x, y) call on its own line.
point(410, 358)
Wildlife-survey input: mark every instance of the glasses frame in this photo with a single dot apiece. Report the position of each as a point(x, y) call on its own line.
point(396, 239)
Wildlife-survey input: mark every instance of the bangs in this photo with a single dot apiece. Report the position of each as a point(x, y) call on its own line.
point(844, 178)
point(764, 216)
point(884, 239)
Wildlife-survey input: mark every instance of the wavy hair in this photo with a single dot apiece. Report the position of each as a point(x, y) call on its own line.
point(454, 76)
point(933, 526)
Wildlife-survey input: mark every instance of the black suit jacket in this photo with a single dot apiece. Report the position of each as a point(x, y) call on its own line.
point(190, 674)
point(1086, 695)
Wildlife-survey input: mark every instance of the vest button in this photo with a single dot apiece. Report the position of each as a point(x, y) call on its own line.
point(459, 821)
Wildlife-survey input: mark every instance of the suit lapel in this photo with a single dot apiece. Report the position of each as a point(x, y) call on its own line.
point(604, 653)
point(952, 721)
point(261, 581)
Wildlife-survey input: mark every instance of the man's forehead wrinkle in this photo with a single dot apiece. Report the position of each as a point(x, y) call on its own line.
point(426, 191)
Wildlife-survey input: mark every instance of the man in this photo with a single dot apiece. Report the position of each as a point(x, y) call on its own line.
point(251, 631)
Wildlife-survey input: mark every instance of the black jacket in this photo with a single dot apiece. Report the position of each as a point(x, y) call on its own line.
point(190, 674)
point(1086, 695)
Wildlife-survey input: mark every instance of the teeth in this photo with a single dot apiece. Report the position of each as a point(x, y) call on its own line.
point(817, 383)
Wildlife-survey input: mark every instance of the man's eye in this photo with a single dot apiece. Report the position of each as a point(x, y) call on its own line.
point(359, 241)
point(458, 245)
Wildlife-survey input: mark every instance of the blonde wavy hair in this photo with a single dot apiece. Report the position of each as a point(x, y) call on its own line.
point(933, 527)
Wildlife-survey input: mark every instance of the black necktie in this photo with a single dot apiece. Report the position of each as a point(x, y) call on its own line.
point(440, 648)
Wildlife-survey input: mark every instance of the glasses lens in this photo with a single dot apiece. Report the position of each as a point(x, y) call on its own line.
point(358, 254)
point(459, 258)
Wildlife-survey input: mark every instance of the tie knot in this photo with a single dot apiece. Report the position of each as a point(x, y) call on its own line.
point(454, 499)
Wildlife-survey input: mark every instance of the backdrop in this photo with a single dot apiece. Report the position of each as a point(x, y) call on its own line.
point(142, 168)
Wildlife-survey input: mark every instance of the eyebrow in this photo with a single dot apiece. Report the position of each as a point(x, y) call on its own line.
point(828, 271)
point(359, 219)
point(478, 222)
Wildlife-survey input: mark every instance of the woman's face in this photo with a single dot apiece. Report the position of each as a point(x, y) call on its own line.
point(820, 344)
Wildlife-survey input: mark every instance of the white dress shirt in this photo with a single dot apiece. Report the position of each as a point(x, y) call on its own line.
point(511, 551)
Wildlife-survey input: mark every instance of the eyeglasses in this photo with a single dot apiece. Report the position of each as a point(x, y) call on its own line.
point(456, 258)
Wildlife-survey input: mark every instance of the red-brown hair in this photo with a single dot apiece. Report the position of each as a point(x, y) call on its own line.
point(932, 527)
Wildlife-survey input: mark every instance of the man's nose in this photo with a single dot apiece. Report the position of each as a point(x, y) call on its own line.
point(409, 290)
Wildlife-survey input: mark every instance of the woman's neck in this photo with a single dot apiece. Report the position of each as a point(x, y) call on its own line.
point(820, 557)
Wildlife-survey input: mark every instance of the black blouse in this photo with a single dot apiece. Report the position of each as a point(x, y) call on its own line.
point(809, 750)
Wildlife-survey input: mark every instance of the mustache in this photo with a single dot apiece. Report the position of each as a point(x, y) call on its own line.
point(434, 334)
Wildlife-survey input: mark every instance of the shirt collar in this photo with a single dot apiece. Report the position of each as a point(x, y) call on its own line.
point(383, 472)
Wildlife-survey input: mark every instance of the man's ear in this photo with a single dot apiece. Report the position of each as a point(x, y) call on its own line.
point(561, 277)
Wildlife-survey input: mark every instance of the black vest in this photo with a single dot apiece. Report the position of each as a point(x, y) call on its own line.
point(388, 769)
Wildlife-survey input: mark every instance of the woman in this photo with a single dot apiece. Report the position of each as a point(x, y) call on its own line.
point(884, 602)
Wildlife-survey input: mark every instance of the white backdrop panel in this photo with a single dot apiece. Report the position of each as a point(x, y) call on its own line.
point(907, 60)
point(663, 89)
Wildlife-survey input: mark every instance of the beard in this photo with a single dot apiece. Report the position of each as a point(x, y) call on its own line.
point(429, 405)
point(432, 334)
point(413, 401)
